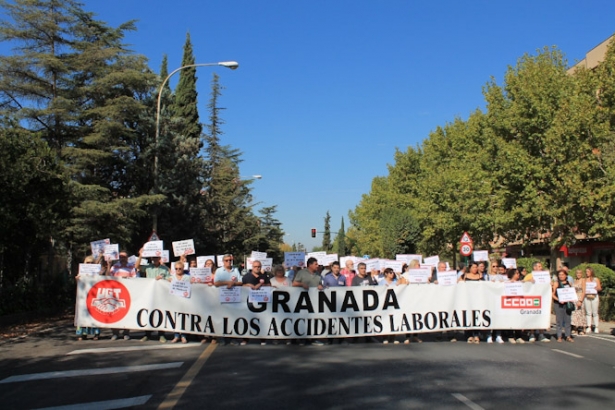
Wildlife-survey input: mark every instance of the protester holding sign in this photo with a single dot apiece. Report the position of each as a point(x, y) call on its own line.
point(563, 310)
point(279, 279)
point(227, 275)
point(591, 300)
point(122, 269)
point(334, 278)
point(83, 332)
point(179, 276)
point(534, 277)
point(578, 316)
point(472, 275)
point(362, 278)
point(309, 278)
point(348, 272)
point(154, 270)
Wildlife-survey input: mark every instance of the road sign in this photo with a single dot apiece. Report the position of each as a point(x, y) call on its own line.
point(465, 238)
point(466, 249)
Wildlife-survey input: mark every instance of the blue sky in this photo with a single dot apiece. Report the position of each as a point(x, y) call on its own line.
point(328, 89)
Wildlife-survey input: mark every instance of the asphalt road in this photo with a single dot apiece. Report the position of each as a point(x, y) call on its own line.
point(50, 369)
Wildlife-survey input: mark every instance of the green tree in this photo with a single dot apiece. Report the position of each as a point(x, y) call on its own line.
point(340, 240)
point(269, 236)
point(326, 236)
point(226, 214)
point(72, 81)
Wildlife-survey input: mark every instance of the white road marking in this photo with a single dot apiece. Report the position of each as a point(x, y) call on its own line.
point(90, 372)
point(467, 401)
point(602, 338)
point(132, 348)
point(104, 405)
point(568, 353)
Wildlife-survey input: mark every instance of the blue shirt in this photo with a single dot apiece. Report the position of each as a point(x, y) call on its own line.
point(331, 281)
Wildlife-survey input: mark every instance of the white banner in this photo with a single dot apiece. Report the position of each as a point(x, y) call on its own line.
point(146, 304)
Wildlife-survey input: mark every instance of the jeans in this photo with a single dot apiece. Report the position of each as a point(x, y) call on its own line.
point(591, 310)
point(562, 319)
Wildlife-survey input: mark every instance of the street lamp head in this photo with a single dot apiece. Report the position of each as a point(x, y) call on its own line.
point(229, 64)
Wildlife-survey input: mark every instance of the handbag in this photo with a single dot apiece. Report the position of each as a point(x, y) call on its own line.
point(570, 307)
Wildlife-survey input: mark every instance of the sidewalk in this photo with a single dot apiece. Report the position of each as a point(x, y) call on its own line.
point(607, 328)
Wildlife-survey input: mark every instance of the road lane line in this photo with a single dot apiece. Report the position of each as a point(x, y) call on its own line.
point(568, 353)
point(601, 338)
point(180, 388)
point(104, 405)
point(131, 348)
point(90, 372)
point(467, 401)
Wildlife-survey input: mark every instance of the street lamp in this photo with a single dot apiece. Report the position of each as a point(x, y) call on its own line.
point(228, 64)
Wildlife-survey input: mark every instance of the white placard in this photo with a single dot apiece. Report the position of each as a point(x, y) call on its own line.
point(267, 264)
point(153, 248)
point(98, 247)
point(256, 255)
point(180, 288)
point(513, 289)
point(432, 260)
point(185, 247)
point(395, 265)
point(112, 252)
point(567, 295)
point(90, 269)
point(590, 288)
point(409, 258)
point(420, 275)
point(447, 278)
point(220, 260)
point(232, 295)
point(479, 256)
point(371, 264)
point(200, 260)
point(510, 263)
point(262, 295)
point(165, 256)
point(329, 259)
point(541, 276)
point(316, 254)
point(294, 259)
point(201, 275)
point(354, 259)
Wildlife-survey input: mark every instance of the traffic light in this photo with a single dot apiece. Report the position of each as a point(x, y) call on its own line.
point(313, 232)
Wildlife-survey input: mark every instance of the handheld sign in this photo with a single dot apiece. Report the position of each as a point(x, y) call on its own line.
point(232, 295)
point(420, 275)
point(509, 263)
point(294, 259)
point(447, 278)
point(201, 260)
point(513, 289)
point(567, 295)
point(201, 275)
point(262, 295)
point(98, 247)
point(541, 276)
point(180, 288)
point(89, 269)
point(112, 251)
point(480, 256)
point(152, 249)
point(590, 288)
point(185, 247)
point(432, 260)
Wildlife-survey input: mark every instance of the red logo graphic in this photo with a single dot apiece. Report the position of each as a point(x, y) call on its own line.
point(521, 302)
point(108, 301)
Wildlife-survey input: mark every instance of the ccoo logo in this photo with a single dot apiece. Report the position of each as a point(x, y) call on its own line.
point(521, 302)
point(108, 301)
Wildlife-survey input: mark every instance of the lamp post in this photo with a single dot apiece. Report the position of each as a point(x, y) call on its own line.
point(228, 64)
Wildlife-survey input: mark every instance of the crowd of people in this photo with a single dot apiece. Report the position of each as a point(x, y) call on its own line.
point(572, 318)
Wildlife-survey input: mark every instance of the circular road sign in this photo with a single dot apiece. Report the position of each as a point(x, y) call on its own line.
point(466, 249)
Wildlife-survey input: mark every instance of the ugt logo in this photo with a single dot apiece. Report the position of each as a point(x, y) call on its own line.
point(521, 302)
point(108, 301)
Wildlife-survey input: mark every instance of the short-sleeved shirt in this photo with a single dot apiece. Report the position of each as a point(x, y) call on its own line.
point(368, 280)
point(255, 280)
point(331, 281)
point(152, 272)
point(123, 271)
point(304, 276)
point(222, 275)
point(349, 274)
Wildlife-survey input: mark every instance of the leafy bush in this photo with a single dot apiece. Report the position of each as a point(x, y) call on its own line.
point(606, 310)
point(606, 275)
